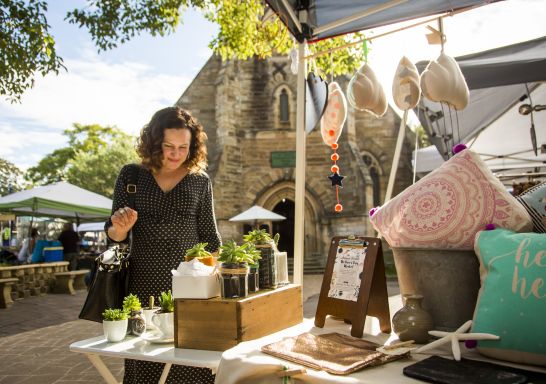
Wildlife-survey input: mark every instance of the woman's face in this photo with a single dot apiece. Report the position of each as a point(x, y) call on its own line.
point(176, 147)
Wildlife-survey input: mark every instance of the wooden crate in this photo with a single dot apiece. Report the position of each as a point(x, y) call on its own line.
point(218, 324)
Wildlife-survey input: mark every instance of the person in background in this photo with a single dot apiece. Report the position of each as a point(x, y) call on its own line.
point(25, 253)
point(6, 234)
point(173, 211)
point(69, 239)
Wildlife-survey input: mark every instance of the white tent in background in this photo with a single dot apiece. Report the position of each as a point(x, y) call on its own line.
point(257, 213)
point(60, 199)
point(91, 227)
point(501, 81)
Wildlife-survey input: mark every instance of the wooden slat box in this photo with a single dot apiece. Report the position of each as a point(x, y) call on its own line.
point(218, 324)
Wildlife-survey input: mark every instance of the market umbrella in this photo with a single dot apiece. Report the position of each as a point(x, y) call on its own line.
point(255, 214)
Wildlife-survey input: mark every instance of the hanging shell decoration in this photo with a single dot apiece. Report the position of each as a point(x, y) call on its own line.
point(365, 93)
point(406, 90)
point(331, 123)
point(443, 81)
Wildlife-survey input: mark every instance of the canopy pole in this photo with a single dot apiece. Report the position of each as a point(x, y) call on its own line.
point(396, 158)
point(292, 15)
point(300, 168)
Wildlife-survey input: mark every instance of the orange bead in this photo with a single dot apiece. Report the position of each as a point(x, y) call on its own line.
point(334, 157)
point(331, 132)
point(334, 169)
point(339, 207)
point(335, 145)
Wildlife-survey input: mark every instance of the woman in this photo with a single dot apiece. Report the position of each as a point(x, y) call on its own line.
point(173, 211)
point(70, 242)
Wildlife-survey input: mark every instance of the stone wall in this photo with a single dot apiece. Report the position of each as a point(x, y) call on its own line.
point(238, 103)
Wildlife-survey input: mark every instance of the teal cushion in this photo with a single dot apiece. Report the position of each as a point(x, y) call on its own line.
point(512, 298)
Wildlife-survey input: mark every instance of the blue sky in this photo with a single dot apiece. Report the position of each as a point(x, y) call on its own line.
point(124, 86)
point(121, 87)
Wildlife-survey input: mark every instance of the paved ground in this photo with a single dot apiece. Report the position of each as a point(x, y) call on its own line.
point(35, 334)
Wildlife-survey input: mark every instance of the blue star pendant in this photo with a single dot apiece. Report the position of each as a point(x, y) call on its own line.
point(336, 179)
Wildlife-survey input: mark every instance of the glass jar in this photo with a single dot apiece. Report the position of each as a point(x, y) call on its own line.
point(267, 270)
point(234, 280)
point(136, 324)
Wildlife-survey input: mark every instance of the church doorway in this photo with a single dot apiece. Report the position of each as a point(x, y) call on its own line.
point(285, 228)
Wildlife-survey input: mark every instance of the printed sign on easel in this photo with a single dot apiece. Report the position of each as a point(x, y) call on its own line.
point(354, 284)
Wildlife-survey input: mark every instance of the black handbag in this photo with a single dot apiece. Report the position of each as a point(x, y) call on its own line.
point(110, 281)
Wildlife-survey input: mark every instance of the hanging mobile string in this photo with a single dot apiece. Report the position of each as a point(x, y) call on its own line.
point(336, 178)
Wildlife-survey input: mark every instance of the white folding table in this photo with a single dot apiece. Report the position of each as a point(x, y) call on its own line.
point(139, 349)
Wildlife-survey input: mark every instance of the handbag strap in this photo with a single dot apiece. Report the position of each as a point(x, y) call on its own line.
point(132, 185)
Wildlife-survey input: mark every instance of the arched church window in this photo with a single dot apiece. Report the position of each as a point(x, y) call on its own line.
point(284, 106)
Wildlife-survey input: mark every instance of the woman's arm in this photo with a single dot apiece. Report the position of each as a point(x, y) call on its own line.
point(123, 218)
point(206, 220)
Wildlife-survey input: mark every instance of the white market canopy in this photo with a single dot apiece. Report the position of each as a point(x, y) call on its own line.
point(257, 213)
point(60, 199)
point(313, 20)
point(329, 18)
point(491, 124)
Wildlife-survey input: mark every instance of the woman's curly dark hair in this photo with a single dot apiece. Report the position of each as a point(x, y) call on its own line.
point(151, 139)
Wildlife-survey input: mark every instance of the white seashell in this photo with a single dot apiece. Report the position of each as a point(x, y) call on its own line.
point(406, 90)
point(443, 81)
point(365, 93)
point(334, 116)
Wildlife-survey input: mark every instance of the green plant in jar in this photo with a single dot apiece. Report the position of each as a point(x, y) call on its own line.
point(257, 236)
point(166, 302)
point(230, 252)
point(131, 303)
point(114, 314)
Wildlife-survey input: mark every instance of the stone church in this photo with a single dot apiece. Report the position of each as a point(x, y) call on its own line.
point(248, 109)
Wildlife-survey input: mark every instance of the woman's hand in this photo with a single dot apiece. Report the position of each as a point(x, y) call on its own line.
point(122, 222)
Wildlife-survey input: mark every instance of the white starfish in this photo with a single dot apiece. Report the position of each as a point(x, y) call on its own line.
point(455, 337)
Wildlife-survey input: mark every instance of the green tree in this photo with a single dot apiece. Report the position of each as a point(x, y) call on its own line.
point(97, 171)
point(81, 138)
point(10, 177)
point(27, 47)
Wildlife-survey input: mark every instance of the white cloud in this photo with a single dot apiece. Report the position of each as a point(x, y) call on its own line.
point(93, 91)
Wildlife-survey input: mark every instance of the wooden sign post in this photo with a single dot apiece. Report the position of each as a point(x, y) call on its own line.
point(354, 284)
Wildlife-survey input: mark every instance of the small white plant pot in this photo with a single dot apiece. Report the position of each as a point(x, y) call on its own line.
point(115, 331)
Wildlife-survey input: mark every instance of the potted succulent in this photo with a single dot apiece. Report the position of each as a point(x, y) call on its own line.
point(234, 260)
point(163, 319)
point(114, 324)
point(267, 246)
point(136, 323)
point(253, 267)
point(199, 252)
point(149, 312)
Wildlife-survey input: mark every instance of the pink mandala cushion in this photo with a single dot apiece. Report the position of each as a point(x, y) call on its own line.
point(446, 208)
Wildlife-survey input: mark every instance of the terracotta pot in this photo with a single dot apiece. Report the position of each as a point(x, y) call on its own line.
point(208, 260)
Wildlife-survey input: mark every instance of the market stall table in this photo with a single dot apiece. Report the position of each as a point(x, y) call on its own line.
point(139, 349)
point(246, 359)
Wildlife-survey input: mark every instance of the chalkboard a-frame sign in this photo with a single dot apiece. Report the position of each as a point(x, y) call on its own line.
point(354, 284)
